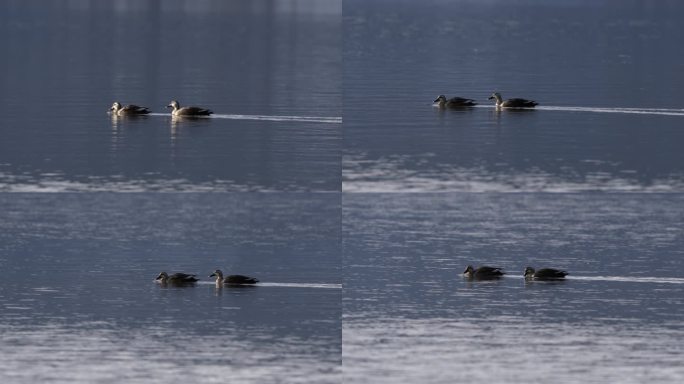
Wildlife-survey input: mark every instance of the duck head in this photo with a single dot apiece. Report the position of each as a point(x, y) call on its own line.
point(162, 277)
point(496, 96)
point(115, 107)
point(529, 272)
point(218, 274)
point(173, 104)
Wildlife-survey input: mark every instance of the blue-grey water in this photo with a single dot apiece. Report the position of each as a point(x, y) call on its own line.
point(596, 169)
point(410, 316)
point(607, 76)
point(590, 182)
point(78, 301)
point(270, 70)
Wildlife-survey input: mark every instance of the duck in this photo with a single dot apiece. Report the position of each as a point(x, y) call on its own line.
point(511, 103)
point(187, 111)
point(129, 110)
point(545, 274)
point(176, 278)
point(233, 279)
point(483, 272)
point(454, 102)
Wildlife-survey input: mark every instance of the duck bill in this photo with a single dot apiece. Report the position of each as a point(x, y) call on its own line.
point(436, 100)
point(212, 275)
point(490, 98)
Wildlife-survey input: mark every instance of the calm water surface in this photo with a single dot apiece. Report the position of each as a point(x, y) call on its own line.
point(65, 62)
point(410, 316)
point(607, 76)
point(583, 61)
point(79, 304)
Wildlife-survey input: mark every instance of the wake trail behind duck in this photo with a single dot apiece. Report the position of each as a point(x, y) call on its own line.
point(626, 279)
point(629, 279)
point(302, 285)
point(638, 111)
point(302, 119)
point(287, 285)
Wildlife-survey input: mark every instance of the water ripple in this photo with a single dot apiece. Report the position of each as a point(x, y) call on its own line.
point(58, 183)
point(507, 350)
point(395, 174)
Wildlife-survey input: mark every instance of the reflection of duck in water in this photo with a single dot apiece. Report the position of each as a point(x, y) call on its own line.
point(129, 110)
point(544, 274)
point(454, 102)
point(176, 278)
point(483, 273)
point(511, 103)
point(233, 279)
point(187, 111)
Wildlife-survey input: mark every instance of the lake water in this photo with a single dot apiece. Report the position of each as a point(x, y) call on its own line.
point(358, 231)
point(271, 72)
point(591, 182)
point(79, 304)
point(410, 316)
point(584, 62)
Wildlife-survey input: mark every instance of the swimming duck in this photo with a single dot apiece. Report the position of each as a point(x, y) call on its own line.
point(232, 279)
point(544, 274)
point(483, 272)
point(454, 102)
point(128, 110)
point(511, 103)
point(187, 111)
point(176, 278)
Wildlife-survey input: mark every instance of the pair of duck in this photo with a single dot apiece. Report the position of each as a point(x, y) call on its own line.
point(484, 273)
point(135, 110)
point(188, 279)
point(460, 102)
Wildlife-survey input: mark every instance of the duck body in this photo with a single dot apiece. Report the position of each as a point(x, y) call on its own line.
point(545, 274)
point(454, 102)
point(239, 280)
point(483, 272)
point(233, 279)
point(512, 103)
point(128, 110)
point(176, 278)
point(187, 111)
